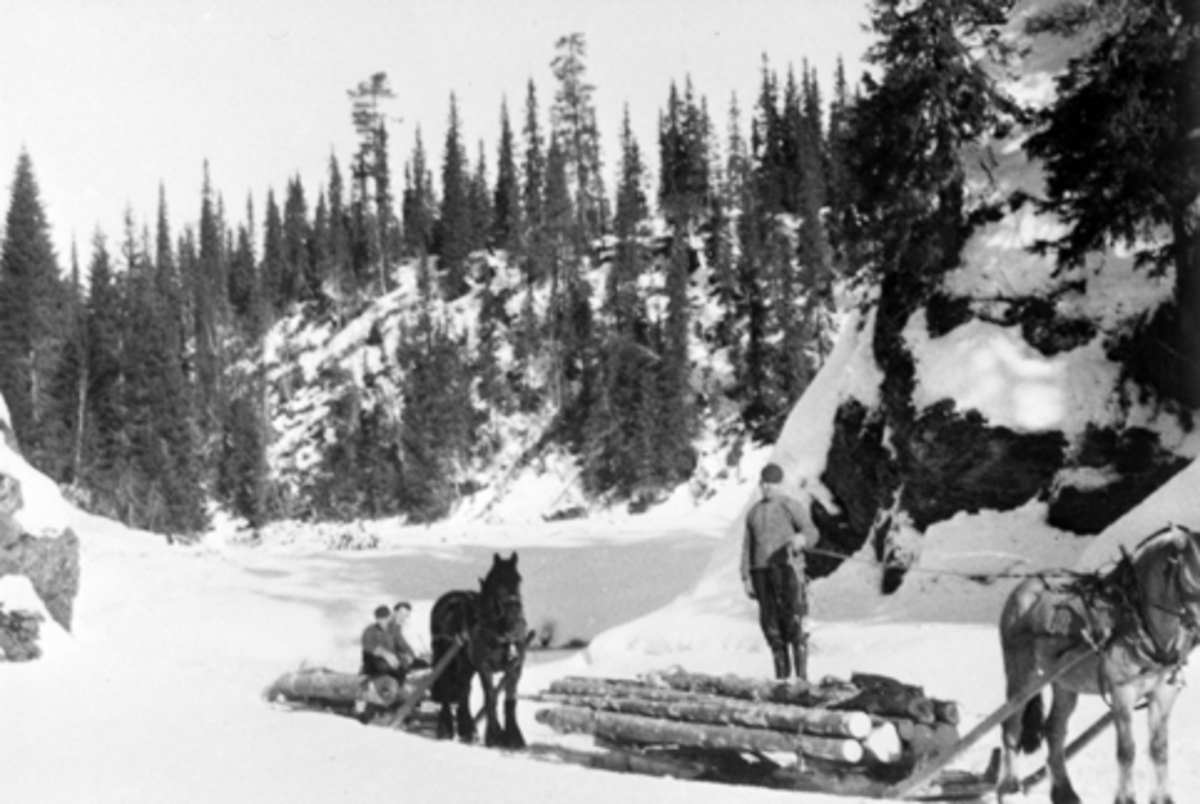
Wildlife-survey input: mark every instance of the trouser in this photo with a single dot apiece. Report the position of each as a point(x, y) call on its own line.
point(781, 610)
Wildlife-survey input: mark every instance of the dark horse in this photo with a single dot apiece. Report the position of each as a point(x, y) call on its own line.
point(1136, 625)
point(491, 625)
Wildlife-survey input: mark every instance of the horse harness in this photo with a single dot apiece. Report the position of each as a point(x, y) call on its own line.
point(501, 628)
point(1116, 604)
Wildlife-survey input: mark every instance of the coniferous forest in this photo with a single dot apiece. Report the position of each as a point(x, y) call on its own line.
point(132, 367)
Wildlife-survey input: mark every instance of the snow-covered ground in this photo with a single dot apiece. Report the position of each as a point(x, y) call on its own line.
point(155, 697)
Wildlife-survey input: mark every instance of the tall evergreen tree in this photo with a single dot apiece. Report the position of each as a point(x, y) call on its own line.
point(479, 203)
point(419, 207)
point(617, 420)
point(209, 290)
point(297, 233)
point(274, 263)
point(373, 202)
point(934, 95)
point(160, 487)
point(341, 271)
point(1121, 146)
point(454, 225)
point(574, 124)
point(102, 448)
point(506, 203)
point(32, 324)
point(535, 239)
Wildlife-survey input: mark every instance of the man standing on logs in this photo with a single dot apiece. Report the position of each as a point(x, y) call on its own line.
point(777, 531)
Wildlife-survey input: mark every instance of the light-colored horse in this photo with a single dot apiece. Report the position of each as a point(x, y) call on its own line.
point(1137, 623)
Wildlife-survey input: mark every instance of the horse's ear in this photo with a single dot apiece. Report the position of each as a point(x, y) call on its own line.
point(495, 559)
point(514, 557)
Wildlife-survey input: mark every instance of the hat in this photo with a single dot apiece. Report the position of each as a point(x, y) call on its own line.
point(771, 473)
point(403, 604)
point(381, 612)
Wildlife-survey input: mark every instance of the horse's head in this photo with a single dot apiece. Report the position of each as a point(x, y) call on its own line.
point(1189, 568)
point(500, 595)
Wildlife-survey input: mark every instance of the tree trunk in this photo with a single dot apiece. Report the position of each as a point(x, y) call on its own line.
point(697, 709)
point(639, 730)
point(795, 691)
point(338, 688)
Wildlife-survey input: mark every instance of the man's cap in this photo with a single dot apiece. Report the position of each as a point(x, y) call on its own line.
point(403, 604)
point(381, 612)
point(771, 473)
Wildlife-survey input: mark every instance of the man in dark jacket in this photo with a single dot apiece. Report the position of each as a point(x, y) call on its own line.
point(384, 649)
point(778, 528)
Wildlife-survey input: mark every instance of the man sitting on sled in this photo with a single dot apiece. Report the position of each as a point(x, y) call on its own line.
point(385, 651)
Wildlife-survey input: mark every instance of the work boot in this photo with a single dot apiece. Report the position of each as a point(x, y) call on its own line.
point(782, 665)
point(800, 659)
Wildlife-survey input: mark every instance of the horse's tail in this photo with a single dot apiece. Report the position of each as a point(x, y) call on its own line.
point(1033, 726)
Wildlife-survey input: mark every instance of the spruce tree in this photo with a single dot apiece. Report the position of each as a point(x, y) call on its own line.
point(372, 202)
point(160, 486)
point(506, 203)
point(934, 95)
point(574, 124)
point(209, 291)
point(102, 448)
point(274, 263)
point(297, 233)
point(419, 207)
point(454, 225)
point(32, 307)
point(533, 199)
point(341, 270)
point(1121, 147)
point(616, 421)
point(479, 204)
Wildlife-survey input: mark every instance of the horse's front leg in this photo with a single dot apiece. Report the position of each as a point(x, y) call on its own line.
point(1061, 789)
point(513, 738)
point(1124, 698)
point(1159, 712)
point(492, 734)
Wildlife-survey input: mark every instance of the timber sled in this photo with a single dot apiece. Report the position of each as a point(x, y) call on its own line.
point(379, 701)
point(871, 736)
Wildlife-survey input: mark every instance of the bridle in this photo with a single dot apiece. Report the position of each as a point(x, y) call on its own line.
point(1185, 588)
point(502, 620)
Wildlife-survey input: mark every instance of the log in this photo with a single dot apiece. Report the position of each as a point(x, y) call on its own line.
point(641, 730)
point(333, 687)
point(727, 711)
point(883, 744)
point(946, 712)
point(794, 691)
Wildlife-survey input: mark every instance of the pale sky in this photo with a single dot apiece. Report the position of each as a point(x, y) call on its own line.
point(112, 97)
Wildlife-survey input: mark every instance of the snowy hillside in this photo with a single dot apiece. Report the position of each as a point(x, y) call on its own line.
point(314, 362)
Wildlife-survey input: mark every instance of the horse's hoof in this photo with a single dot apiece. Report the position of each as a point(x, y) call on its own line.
point(516, 741)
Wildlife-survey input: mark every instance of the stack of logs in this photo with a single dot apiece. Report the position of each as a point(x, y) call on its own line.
point(19, 631)
point(874, 722)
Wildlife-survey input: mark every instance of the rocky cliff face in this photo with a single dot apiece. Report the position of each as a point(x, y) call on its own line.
point(906, 460)
point(50, 560)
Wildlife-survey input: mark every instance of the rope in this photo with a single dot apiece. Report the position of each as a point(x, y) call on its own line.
point(979, 577)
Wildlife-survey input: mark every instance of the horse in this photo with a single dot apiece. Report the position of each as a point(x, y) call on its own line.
point(491, 626)
point(1130, 630)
